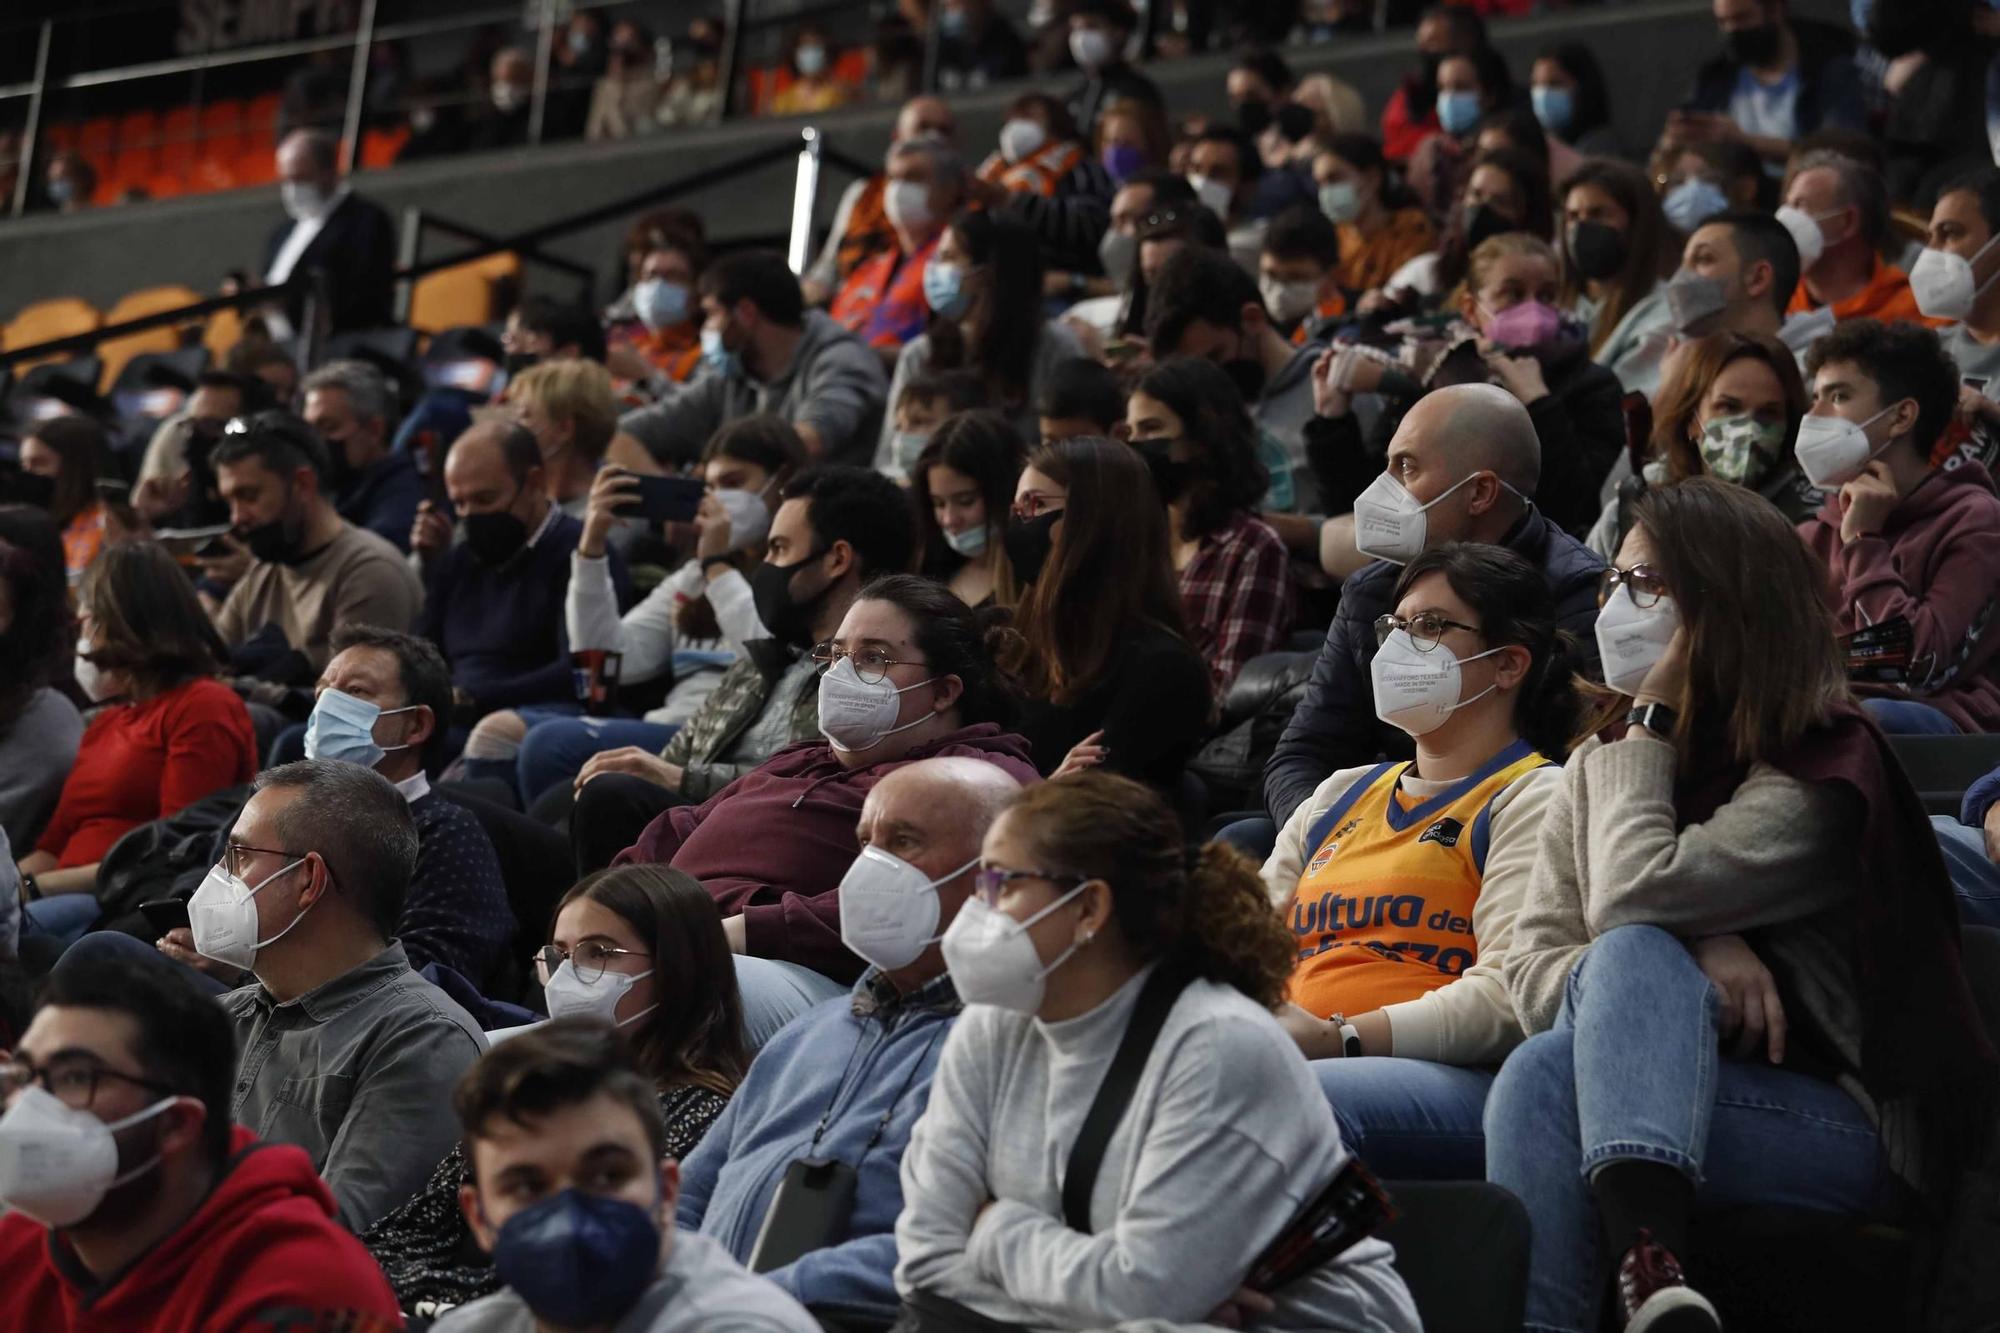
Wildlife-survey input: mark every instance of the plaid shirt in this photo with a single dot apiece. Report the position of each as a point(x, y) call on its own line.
point(883, 300)
point(1237, 592)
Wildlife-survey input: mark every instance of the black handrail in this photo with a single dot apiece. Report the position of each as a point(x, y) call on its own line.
point(523, 242)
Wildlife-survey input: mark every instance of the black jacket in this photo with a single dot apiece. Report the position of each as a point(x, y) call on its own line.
point(1829, 86)
point(1335, 726)
point(357, 249)
point(1109, 85)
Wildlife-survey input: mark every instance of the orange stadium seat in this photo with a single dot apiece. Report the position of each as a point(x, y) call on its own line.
point(260, 120)
point(95, 137)
point(462, 294)
point(146, 301)
point(57, 317)
point(178, 144)
point(224, 331)
point(222, 127)
point(379, 147)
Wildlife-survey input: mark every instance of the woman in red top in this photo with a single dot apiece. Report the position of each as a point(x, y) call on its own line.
point(169, 733)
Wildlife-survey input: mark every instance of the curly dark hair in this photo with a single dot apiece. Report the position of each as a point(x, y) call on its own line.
point(1905, 361)
point(1215, 420)
point(1208, 913)
point(955, 641)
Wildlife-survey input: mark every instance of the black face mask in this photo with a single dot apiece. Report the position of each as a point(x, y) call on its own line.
point(1295, 122)
point(1172, 477)
point(517, 362)
point(1028, 542)
point(1751, 46)
point(1254, 116)
point(788, 619)
point(1247, 373)
point(1483, 222)
point(276, 542)
point(495, 538)
point(29, 488)
point(1596, 251)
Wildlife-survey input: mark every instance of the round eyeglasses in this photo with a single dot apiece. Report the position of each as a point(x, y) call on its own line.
point(1642, 581)
point(871, 664)
point(1425, 629)
point(588, 960)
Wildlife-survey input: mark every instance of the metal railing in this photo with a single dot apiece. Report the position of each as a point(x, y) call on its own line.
point(813, 154)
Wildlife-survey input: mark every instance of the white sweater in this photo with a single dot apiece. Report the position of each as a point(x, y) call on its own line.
point(1469, 1021)
point(1227, 1138)
point(646, 635)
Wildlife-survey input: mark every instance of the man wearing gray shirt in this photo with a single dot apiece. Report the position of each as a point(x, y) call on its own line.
point(764, 352)
point(342, 1049)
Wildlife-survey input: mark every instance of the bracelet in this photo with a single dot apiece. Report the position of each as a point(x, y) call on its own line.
point(715, 560)
point(1350, 1040)
point(30, 891)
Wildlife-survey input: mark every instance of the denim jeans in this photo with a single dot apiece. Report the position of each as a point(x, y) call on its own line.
point(556, 748)
point(775, 992)
point(1974, 879)
point(1409, 1119)
point(1910, 717)
point(63, 917)
point(1632, 1072)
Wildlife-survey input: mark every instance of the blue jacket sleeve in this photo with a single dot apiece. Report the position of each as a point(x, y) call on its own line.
point(1979, 799)
point(855, 1276)
point(1334, 725)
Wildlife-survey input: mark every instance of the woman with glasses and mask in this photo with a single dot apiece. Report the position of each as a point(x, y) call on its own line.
point(961, 488)
point(984, 288)
point(1730, 409)
point(1738, 960)
point(1188, 423)
point(908, 675)
point(1401, 882)
point(1101, 644)
point(1092, 915)
point(641, 948)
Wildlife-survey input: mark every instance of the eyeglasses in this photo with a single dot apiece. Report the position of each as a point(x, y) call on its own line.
point(233, 856)
point(1425, 629)
point(989, 882)
point(871, 664)
point(1034, 504)
point(72, 1081)
point(588, 960)
point(1645, 584)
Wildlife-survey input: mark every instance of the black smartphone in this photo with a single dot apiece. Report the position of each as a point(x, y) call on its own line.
point(665, 499)
point(1976, 383)
point(165, 914)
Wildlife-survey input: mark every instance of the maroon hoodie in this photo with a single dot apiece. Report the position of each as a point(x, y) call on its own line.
point(773, 844)
point(1936, 562)
point(263, 1254)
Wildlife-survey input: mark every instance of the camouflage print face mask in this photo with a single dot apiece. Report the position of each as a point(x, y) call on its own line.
point(1741, 449)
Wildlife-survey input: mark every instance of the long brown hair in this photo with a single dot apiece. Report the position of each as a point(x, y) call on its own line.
point(1107, 574)
point(1207, 911)
point(1763, 666)
point(695, 1035)
point(1696, 367)
point(147, 617)
point(80, 443)
point(1644, 242)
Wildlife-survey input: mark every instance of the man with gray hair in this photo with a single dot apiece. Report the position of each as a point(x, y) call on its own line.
point(353, 408)
point(883, 300)
point(1468, 456)
point(341, 1049)
point(332, 231)
point(1837, 210)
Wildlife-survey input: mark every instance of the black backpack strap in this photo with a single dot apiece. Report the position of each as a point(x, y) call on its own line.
point(1121, 1080)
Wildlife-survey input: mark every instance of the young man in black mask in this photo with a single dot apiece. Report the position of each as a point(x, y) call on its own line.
point(1204, 304)
point(1778, 79)
point(309, 570)
point(836, 528)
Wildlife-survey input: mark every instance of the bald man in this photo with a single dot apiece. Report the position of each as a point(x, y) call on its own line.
point(845, 1081)
point(1469, 452)
point(329, 229)
point(494, 591)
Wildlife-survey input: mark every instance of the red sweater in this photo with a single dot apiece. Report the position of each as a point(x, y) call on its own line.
point(773, 844)
point(141, 762)
point(1937, 563)
point(261, 1255)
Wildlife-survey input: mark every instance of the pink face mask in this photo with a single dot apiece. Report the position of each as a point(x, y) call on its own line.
point(1529, 324)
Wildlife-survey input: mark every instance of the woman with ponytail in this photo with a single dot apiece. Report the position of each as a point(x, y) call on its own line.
point(1400, 882)
point(1089, 914)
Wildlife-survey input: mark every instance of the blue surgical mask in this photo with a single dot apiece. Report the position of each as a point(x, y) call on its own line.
point(811, 60)
point(579, 1260)
point(1458, 112)
point(970, 543)
point(944, 290)
point(1693, 202)
point(718, 358)
point(1554, 107)
point(661, 304)
point(343, 727)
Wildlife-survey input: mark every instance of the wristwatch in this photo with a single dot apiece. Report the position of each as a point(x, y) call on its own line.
point(1654, 717)
point(30, 891)
point(1350, 1040)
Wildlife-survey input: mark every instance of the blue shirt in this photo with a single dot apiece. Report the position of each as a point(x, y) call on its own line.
point(501, 627)
point(854, 1060)
point(383, 498)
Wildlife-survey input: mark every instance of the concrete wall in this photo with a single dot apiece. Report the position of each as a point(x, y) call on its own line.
point(1649, 50)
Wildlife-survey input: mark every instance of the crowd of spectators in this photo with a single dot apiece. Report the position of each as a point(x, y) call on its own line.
point(1175, 674)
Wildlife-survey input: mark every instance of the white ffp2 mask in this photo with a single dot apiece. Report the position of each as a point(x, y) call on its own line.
point(1415, 691)
point(889, 908)
point(1833, 451)
point(57, 1162)
point(1631, 639)
point(223, 916)
point(1389, 523)
point(992, 958)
